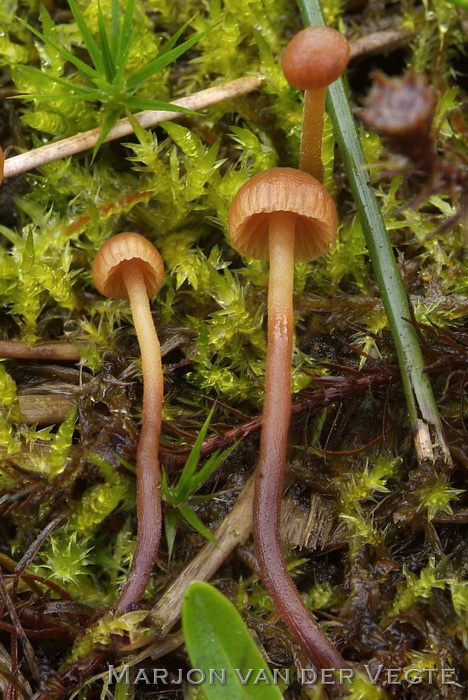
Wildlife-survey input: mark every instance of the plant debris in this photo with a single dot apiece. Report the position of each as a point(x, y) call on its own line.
point(375, 538)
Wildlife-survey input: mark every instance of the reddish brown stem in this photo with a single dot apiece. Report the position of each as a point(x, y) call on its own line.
point(147, 468)
point(312, 133)
point(273, 446)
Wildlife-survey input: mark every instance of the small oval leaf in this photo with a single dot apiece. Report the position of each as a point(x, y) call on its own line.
point(217, 640)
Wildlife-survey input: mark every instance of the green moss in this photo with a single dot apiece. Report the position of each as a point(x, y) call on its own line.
point(419, 588)
point(394, 522)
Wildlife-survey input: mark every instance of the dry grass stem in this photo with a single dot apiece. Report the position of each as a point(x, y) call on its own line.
point(58, 352)
point(88, 139)
point(44, 409)
point(376, 42)
point(380, 42)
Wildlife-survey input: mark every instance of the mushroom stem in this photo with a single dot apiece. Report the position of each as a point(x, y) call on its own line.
point(273, 447)
point(277, 400)
point(312, 60)
point(312, 132)
point(148, 472)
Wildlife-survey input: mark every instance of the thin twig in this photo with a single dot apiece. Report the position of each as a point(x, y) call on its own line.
point(380, 42)
point(59, 352)
point(155, 651)
point(15, 679)
point(27, 646)
point(32, 550)
point(376, 42)
point(44, 409)
point(88, 139)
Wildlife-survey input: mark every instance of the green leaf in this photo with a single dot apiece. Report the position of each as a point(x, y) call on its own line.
point(39, 75)
point(107, 58)
point(83, 67)
point(211, 466)
point(115, 25)
point(143, 103)
point(72, 88)
point(109, 123)
point(124, 40)
point(161, 61)
point(216, 638)
point(174, 39)
point(87, 97)
point(91, 45)
point(192, 461)
point(192, 518)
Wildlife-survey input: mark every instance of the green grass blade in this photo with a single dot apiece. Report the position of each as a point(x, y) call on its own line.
point(164, 482)
point(418, 391)
point(39, 74)
point(109, 122)
point(83, 67)
point(124, 41)
point(192, 518)
point(161, 61)
point(89, 97)
point(143, 103)
point(115, 26)
point(121, 62)
point(174, 38)
point(91, 45)
point(190, 465)
point(108, 61)
point(214, 462)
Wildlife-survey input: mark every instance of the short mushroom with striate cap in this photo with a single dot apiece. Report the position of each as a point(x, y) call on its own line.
point(128, 266)
point(313, 59)
point(282, 215)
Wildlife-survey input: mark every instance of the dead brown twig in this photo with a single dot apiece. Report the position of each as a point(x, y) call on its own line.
point(57, 352)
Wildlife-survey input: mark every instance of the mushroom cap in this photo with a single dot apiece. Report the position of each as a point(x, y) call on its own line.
point(286, 190)
point(118, 252)
point(315, 58)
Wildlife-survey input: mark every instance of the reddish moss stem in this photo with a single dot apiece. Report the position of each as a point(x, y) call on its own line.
point(147, 468)
point(273, 447)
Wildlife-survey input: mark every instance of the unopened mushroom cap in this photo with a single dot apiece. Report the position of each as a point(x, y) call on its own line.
point(117, 252)
point(315, 58)
point(286, 190)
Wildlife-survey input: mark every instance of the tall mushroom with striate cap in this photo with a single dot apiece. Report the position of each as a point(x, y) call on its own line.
point(313, 59)
point(128, 266)
point(282, 215)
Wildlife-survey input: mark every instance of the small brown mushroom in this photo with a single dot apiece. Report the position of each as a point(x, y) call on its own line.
point(128, 266)
point(313, 59)
point(282, 215)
